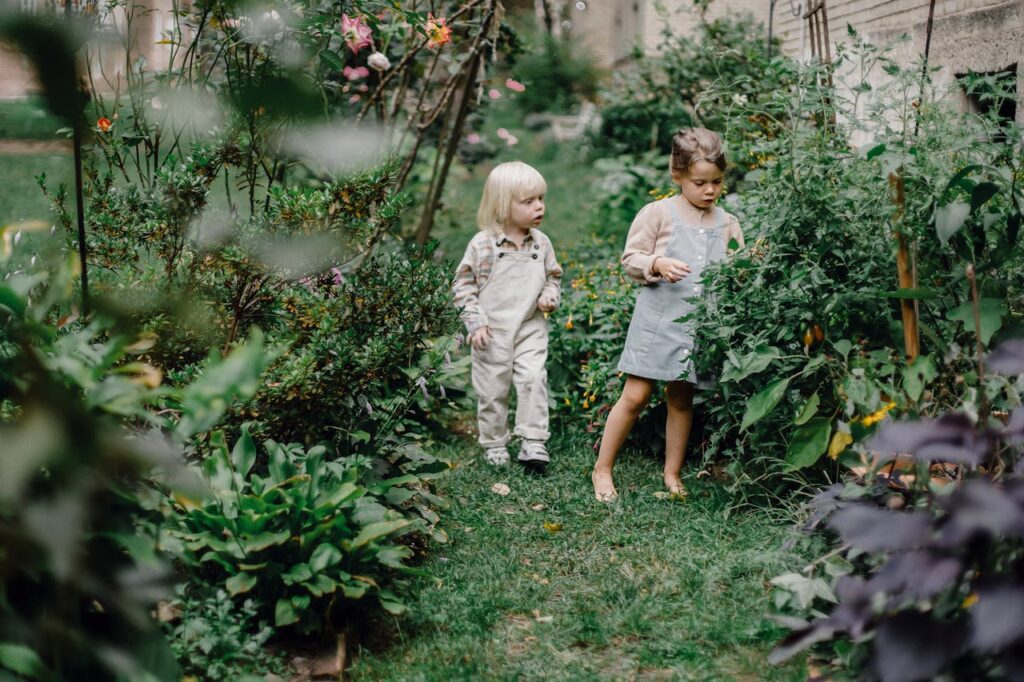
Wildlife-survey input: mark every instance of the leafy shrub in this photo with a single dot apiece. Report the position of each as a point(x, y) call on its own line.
point(802, 327)
point(306, 539)
point(557, 77)
point(695, 81)
point(923, 582)
point(213, 638)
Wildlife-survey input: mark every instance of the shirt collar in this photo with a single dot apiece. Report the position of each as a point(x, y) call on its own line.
point(504, 238)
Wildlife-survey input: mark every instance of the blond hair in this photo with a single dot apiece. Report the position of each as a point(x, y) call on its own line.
point(506, 183)
point(691, 145)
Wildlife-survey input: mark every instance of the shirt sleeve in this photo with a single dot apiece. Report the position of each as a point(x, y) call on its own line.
point(466, 290)
point(552, 273)
point(639, 256)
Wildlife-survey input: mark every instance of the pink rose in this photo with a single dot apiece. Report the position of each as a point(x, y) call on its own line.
point(355, 33)
point(515, 86)
point(354, 73)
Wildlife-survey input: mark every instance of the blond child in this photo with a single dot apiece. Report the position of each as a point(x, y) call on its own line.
point(669, 243)
point(506, 281)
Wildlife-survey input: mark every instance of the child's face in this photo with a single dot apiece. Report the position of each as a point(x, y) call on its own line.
point(527, 211)
point(701, 184)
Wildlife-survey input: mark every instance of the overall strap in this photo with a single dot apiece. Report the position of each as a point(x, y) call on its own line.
point(676, 215)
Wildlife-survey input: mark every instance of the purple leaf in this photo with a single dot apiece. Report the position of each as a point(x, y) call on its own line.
point(1008, 358)
point(978, 507)
point(797, 641)
point(996, 617)
point(913, 646)
point(876, 529)
point(1014, 431)
point(921, 574)
point(950, 438)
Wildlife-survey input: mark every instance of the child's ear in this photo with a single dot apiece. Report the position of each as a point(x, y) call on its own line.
point(678, 177)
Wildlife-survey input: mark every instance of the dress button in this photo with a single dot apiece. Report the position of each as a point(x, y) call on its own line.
point(501, 254)
point(534, 256)
point(701, 230)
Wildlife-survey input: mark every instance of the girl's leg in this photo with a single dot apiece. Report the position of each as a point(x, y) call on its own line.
point(679, 401)
point(635, 395)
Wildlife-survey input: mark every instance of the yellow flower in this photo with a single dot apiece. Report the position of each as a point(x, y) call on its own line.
point(839, 443)
point(878, 416)
point(568, 324)
point(970, 600)
point(585, 404)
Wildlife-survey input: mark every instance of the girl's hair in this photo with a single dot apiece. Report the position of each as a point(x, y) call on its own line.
point(506, 183)
point(690, 145)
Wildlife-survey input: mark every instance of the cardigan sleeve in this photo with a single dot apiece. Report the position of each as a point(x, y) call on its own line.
point(639, 255)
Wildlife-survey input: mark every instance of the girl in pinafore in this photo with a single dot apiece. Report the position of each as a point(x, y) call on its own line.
point(669, 244)
point(504, 284)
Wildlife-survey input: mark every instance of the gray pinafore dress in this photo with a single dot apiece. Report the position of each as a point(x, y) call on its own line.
point(657, 346)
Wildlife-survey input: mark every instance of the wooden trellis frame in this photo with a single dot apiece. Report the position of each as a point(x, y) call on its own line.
point(816, 17)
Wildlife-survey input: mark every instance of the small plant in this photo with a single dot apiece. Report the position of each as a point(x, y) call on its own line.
point(303, 537)
point(217, 639)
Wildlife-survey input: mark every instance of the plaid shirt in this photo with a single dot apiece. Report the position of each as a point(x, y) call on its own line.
point(475, 269)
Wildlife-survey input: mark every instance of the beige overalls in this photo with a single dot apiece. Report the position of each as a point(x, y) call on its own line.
point(518, 351)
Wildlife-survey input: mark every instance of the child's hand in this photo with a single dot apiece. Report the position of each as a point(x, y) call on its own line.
point(670, 269)
point(481, 338)
point(546, 303)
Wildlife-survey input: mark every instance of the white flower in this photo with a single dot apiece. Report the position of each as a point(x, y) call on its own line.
point(378, 61)
point(739, 99)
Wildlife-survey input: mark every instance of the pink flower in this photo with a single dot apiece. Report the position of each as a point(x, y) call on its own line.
point(493, 94)
point(354, 73)
point(511, 140)
point(473, 138)
point(515, 86)
point(437, 32)
point(503, 134)
point(355, 33)
point(354, 98)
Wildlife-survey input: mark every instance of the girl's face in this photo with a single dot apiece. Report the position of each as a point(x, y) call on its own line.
point(702, 184)
point(527, 212)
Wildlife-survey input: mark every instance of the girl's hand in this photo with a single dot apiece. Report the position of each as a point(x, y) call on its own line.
point(481, 338)
point(670, 269)
point(546, 303)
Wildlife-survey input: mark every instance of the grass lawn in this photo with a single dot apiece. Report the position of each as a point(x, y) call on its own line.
point(546, 583)
point(20, 196)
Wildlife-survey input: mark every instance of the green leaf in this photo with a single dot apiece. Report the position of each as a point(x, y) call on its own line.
point(240, 583)
point(324, 556)
point(764, 402)
point(299, 573)
point(991, 311)
point(261, 541)
point(243, 455)
point(321, 585)
point(843, 347)
point(20, 659)
point(392, 606)
point(332, 60)
point(808, 443)
point(809, 409)
point(285, 613)
point(982, 193)
point(950, 218)
point(740, 368)
point(394, 556)
point(378, 530)
point(917, 374)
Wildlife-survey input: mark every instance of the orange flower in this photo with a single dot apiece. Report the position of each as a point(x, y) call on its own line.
point(104, 125)
point(437, 32)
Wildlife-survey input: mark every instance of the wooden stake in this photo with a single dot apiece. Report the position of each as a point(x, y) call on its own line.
point(911, 336)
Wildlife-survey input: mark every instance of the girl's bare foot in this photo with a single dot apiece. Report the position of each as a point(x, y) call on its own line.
point(604, 488)
point(675, 487)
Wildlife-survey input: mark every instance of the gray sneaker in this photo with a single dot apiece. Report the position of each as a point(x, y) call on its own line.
point(534, 455)
point(498, 456)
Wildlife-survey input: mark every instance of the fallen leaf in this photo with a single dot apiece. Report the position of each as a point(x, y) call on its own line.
point(509, 510)
point(661, 495)
point(537, 507)
point(542, 581)
point(545, 619)
point(552, 527)
point(500, 489)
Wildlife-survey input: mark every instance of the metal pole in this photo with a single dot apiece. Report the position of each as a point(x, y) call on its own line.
point(76, 142)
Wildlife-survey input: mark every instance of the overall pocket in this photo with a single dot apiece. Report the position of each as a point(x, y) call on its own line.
point(643, 328)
